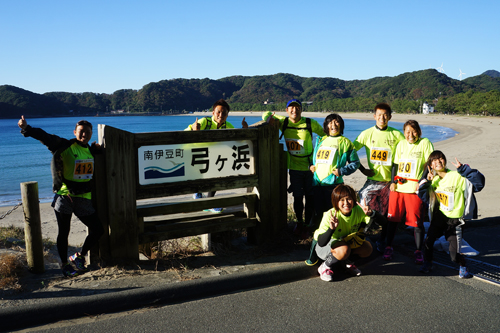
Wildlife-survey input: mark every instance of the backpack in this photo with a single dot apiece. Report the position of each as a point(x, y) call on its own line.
point(209, 124)
point(308, 127)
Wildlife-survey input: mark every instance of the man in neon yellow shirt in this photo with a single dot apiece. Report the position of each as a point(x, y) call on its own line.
point(297, 131)
point(72, 169)
point(380, 144)
point(217, 121)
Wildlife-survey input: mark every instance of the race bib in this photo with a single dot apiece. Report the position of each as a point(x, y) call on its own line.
point(325, 155)
point(446, 200)
point(295, 146)
point(380, 156)
point(407, 168)
point(83, 169)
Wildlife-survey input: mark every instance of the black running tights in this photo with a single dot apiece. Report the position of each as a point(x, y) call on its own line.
point(64, 222)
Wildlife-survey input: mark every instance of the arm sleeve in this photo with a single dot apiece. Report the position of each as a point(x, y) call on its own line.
point(315, 152)
point(394, 172)
point(423, 187)
point(475, 177)
point(51, 141)
point(325, 237)
point(353, 163)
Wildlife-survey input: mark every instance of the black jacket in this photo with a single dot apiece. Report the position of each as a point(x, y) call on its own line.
point(57, 145)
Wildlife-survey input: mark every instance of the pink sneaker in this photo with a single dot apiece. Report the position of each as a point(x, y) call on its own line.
point(353, 270)
point(388, 253)
point(419, 257)
point(325, 273)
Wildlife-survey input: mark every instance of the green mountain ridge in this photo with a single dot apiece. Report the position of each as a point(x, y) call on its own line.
point(404, 92)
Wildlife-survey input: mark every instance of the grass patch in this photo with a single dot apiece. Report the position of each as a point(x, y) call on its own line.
point(12, 266)
point(11, 236)
point(177, 248)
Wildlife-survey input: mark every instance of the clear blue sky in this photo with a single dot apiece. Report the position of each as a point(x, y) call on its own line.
point(103, 46)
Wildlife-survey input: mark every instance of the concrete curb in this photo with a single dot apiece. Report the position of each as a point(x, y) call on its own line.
point(79, 306)
point(43, 313)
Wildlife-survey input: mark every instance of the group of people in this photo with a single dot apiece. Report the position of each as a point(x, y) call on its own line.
point(405, 179)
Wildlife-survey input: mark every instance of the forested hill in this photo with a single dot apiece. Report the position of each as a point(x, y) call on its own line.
point(405, 93)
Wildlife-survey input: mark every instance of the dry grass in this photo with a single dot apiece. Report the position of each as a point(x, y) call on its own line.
point(172, 248)
point(12, 266)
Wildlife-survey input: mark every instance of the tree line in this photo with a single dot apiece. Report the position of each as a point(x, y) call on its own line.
point(405, 93)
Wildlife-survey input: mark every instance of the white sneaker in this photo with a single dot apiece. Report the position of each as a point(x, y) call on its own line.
point(353, 270)
point(325, 273)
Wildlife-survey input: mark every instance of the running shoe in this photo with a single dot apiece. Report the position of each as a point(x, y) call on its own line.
point(79, 261)
point(198, 196)
point(426, 267)
point(309, 262)
point(352, 269)
point(214, 210)
point(419, 257)
point(464, 273)
point(388, 253)
point(68, 270)
point(325, 273)
point(380, 245)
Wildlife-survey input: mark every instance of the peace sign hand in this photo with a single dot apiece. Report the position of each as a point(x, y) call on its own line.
point(334, 221)
point(367, 210)
point(458, 164)
point(430, 175)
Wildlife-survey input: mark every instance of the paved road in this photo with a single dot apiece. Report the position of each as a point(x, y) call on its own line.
point(388, 297)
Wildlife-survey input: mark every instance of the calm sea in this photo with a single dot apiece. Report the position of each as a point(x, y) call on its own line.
point(25, 159)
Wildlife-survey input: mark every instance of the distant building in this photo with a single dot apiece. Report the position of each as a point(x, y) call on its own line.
point(268, 102)
point(426, 108)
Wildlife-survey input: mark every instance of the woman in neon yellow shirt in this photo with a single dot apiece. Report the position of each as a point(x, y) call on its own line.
point(408, 166)
point(452, 192)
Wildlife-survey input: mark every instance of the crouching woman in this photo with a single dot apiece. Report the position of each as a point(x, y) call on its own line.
point(340, 237)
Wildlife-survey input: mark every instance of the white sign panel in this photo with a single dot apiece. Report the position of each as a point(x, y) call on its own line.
point(174, 163)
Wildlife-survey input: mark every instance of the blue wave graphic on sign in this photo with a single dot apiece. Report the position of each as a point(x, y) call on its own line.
point(154, 172)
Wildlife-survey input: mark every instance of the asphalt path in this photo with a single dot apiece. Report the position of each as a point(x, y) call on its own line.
point(388, 297)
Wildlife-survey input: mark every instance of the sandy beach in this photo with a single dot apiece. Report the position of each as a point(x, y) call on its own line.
point(475, 144)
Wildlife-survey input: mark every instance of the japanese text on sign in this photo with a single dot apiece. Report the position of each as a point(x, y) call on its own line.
point(174, 163)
